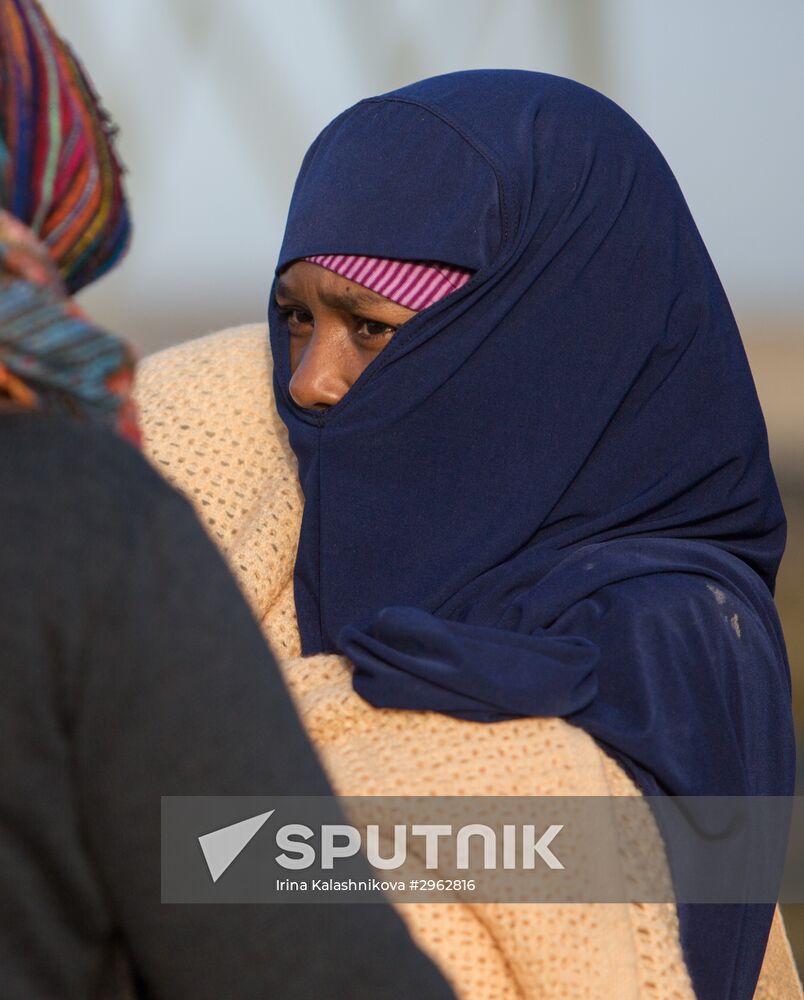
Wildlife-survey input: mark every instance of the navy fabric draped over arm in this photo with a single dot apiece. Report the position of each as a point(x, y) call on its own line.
point(645, 663)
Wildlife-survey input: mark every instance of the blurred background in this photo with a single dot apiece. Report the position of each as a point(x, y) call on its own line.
point(217, 101)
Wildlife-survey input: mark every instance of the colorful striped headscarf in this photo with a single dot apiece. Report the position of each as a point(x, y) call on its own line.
point(63, 222)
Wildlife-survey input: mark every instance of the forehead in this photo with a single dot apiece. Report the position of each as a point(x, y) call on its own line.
point(304, 278)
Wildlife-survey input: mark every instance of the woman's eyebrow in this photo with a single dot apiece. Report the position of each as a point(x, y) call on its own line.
point(348, 299)
point(351, 299)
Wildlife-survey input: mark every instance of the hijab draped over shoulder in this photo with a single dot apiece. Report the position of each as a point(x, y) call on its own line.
point(550, 494)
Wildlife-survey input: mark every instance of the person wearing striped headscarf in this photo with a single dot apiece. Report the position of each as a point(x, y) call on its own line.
point(119, 681)
point(63, 223)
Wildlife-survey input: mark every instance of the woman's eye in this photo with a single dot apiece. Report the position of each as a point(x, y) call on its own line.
point(368, 328)
point(296, 317)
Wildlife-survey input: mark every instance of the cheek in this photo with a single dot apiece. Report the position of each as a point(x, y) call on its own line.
point(353, 359)
point(362, 354)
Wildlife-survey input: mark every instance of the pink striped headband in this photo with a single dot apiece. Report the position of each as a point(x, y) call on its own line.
point(415, 284)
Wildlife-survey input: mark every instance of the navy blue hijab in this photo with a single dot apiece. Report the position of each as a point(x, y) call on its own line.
point(550, 493)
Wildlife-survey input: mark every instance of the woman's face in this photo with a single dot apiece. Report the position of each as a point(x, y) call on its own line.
point(335, 328)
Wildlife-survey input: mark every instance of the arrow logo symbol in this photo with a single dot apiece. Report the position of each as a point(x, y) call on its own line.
point(221, 847)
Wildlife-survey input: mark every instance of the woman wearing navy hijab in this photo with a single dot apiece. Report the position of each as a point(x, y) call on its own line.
point(549, 492)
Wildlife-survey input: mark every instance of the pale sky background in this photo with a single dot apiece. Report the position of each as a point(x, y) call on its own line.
point(217, 101)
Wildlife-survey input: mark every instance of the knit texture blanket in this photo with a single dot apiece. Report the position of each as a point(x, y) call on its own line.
point(210, 427)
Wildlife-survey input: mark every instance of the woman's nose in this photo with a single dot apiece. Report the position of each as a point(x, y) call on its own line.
point(319, 380)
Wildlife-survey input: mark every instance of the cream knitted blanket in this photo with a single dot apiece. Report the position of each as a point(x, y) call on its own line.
point(211, 428)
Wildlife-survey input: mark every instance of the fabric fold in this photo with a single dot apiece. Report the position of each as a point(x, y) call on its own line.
point(408, 656)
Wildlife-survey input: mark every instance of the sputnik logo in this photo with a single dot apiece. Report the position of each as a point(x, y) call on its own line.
point(221, 847)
